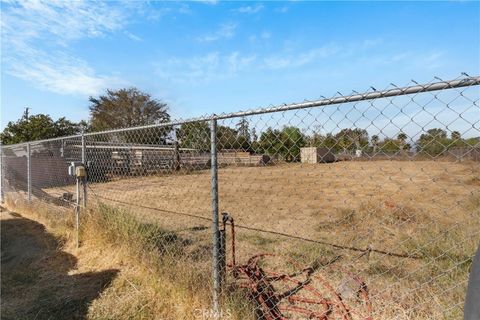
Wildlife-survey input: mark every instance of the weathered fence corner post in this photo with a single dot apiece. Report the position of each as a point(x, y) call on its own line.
point(215, 229)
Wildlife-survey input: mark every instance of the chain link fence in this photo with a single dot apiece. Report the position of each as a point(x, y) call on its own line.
point(360, 206)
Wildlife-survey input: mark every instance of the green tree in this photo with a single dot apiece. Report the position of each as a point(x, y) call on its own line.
point(126, 108)
point(434, 142)
point(474, 142)
point(285, 143)
point(195, 135)
point(328, 141)
point(254, 135)
point(352, 139)
point(402, 141)
point(244, 140)
point(242, 129)
point(38, 127)
point(389, 145)
point(456, 136)
point(227, 138)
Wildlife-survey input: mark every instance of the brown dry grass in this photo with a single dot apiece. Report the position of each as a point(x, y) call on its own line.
point(426, 209)
point(147, 280)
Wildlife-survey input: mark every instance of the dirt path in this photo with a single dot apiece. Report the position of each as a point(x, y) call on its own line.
point(35, 280)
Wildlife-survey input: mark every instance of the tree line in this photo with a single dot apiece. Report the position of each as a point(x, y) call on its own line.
point(122, 108)
point(287, 141)
point(131, 107)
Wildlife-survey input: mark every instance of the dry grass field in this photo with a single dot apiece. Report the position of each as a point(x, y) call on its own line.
point(427, 211)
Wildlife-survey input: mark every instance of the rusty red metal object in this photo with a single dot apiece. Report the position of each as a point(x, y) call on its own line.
point(305, 294)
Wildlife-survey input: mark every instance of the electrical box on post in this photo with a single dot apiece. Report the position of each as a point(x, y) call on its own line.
point(77, 169)
point(80, 171)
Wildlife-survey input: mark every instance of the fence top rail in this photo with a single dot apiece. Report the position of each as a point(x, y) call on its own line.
point(465, 81)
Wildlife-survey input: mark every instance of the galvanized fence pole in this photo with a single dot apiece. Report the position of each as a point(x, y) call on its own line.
point(215, 229)
point(1, 173)
point(84, 162)
point(29, 173)
point(77, 211)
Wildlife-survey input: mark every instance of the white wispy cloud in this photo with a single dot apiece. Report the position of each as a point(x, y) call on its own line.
point(262, 36)
point(283, 9)
point(35, 38)
point(225, 31)
point(217, 66)
point(427, 60)
point(61, 73)
point(132, 36)
point(300, 59)
point(66, 20)
point(204, 68)
point(265, 35)
point(250, 9)
point(207, 1)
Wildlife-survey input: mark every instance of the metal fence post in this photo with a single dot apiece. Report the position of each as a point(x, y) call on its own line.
point(84, 162)
point(215, 229)
point(77, 211)
point(29, 173)
point(1, 173)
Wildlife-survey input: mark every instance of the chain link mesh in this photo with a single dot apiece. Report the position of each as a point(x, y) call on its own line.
point(361, 206)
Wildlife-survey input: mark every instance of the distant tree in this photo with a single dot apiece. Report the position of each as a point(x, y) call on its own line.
point(402, 137)
point(38, 127)
point(316, 140)
point(195, 135)
point(474, 142)
point(254, 135)
point(66, 127)
point(269, 142)
point(351, 139)
point(227, 138)
point(434, 142)
point(126, 108)
point(402, 141)
point(285, 143)
point(374, 140)
point(242, 129)
point(321, 141)
point(456, 136)
point(244, 139)
point(331, 143)
point(389, 145)
point(457, 141)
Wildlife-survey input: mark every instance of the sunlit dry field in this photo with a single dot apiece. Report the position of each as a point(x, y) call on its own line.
point(427, 212)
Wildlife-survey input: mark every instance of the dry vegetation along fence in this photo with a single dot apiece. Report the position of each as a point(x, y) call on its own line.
point(388, 235)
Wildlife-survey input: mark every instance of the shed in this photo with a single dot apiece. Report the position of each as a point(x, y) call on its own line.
point(316, 155)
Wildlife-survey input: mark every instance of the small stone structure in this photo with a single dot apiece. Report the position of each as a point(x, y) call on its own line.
point(316, 155)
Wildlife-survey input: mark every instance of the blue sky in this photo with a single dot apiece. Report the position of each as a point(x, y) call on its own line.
point(210, 57)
